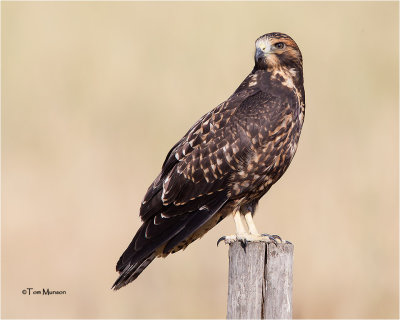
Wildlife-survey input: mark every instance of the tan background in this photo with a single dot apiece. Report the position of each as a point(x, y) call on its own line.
point(95, 94)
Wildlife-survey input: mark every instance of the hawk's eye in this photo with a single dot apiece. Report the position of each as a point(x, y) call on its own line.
point(279, 45)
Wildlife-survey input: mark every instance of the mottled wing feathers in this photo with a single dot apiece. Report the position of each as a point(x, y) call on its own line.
point(199, 217)
point(192, 186)
point(226, 161)
point(199, 164)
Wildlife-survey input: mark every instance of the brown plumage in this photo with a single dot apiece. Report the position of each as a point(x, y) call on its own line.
point(227, 161)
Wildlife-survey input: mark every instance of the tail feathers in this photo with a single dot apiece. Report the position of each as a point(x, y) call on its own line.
point(161, 234)
point(132, 271)
point(194, 224)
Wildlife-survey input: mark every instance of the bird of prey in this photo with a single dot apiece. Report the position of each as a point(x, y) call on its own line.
point(226, 161)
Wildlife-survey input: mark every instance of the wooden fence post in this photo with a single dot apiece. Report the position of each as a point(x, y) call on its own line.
point(260, 281)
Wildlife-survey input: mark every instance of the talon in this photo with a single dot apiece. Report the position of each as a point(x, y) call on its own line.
point(220, 239)
point(275, 236)
point(243, 243)
point(273, 240)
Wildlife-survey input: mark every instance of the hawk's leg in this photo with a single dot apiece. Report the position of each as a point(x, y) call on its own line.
point(250, 223)
point(240, 229)
point(261, 237)
point(252, 236)
point(241, 233)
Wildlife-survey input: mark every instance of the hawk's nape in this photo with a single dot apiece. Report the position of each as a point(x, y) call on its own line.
point(226, 162)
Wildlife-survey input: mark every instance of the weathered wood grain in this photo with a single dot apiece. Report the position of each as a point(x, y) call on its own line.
point(246, 277)
point(260, 281)
point(278, 279)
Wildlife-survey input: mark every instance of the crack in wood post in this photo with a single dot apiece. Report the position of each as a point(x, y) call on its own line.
point(260, 281)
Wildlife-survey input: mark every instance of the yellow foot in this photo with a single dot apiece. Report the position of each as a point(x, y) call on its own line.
point(274, 237)
point(244, 238)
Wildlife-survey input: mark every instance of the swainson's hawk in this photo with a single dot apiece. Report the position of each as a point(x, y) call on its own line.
point(226, 162)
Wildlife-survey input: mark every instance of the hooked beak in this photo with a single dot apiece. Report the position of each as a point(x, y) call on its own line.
point(260, 55)
point(263, 48)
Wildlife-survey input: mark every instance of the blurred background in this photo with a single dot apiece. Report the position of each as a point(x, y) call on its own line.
point(95, 94)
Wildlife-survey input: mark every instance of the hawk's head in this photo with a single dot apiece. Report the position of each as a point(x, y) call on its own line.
point(275, 50)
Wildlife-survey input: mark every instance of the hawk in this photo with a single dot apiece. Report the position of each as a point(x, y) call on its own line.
point(226, 162)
